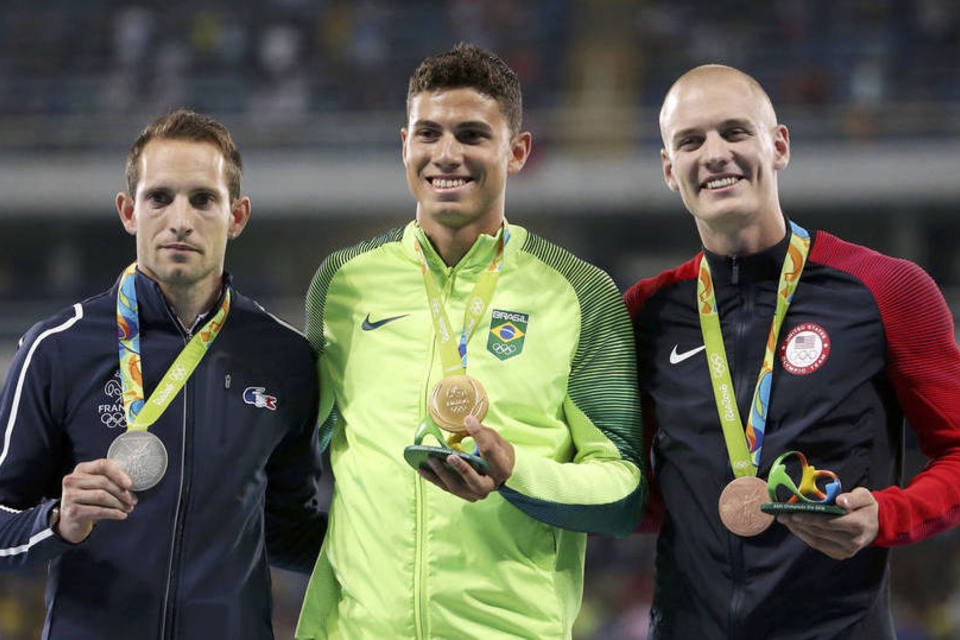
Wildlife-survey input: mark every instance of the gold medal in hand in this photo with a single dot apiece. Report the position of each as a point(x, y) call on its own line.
point(453, 399)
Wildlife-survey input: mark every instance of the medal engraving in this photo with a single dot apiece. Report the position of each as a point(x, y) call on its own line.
point(142, 455)
point(740, 506)
point(453, 399)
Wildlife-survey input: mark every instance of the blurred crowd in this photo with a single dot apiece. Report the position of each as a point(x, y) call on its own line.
point(288, 60)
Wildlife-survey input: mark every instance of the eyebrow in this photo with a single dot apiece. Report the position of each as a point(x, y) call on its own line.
point(469, 124)
point(737, 122)
point(191, 190)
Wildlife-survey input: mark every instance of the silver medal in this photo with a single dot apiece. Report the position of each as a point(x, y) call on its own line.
point(142, 455)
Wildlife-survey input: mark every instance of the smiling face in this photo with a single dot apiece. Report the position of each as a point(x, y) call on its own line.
point(181, 214)
point(458, 152)
point(722, 151)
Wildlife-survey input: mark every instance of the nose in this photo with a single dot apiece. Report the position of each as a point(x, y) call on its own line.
point(716, 152)
point(181, 217)
point(448, 151)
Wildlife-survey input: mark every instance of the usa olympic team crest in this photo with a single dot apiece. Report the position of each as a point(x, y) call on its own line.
point(805, 349)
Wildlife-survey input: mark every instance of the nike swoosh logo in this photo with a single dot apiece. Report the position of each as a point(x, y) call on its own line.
point(370, 326)
point(677, 358)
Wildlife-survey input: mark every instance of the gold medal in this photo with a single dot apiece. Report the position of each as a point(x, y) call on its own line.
point(453, 399)
point(740, 506)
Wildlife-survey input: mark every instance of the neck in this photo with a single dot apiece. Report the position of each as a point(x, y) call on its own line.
point(742, 239)
point(192, 301)
point(452, 243)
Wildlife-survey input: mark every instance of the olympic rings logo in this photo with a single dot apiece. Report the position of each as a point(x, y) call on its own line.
point(503, 349)
point(717, 364)
point(476, 307)
point(112, 419)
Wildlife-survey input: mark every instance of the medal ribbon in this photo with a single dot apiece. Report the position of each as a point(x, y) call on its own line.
point(141, 414)
point(744, 445)
point(454, 357)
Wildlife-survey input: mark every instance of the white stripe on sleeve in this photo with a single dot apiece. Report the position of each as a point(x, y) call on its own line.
point(77, 314)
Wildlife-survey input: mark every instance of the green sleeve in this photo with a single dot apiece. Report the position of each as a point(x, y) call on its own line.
point(603, 489)
point(316, 326)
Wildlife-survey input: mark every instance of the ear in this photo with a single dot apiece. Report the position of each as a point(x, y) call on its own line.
point(403, 145)
point(520, 147)
point(781, 147)
point(239, 215)
point(668, 176)
point(125, 207)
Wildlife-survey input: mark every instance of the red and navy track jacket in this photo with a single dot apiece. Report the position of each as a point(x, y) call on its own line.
point(867, 342)
point(190, 561)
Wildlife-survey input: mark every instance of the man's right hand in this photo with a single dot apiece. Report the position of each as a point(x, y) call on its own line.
point(93, 491)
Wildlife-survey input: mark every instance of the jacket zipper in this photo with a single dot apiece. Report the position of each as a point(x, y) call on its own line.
point(737, 577)
point(743, 390)
point(420, 563)
point(168, 611)
point(746, 371)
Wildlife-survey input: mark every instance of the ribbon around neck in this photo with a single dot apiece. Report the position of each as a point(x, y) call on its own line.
point(140, 413)
point(454, 355)
point(744, 445)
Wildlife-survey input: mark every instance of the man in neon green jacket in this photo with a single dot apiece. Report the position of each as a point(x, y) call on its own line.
point(473, 555)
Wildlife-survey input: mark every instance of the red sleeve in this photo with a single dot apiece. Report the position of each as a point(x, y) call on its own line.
point(923, 365)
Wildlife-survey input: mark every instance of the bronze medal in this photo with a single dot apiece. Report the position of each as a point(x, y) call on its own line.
point(740, 506)
point(453, 399)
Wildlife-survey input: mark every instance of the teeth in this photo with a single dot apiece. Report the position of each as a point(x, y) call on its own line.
point(444, 183)
point(722, 182)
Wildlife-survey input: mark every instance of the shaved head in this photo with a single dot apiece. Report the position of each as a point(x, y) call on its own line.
point(713, 75)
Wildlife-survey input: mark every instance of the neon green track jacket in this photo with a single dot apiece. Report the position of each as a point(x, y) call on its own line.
point(404, 559)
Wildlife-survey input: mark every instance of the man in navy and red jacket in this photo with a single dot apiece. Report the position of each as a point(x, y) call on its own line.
point(188, 557)
point(867, 342)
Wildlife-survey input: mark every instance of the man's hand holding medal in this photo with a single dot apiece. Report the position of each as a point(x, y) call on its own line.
point(460, 478)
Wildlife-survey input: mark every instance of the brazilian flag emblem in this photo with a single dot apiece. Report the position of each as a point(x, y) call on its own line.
point(507, 331)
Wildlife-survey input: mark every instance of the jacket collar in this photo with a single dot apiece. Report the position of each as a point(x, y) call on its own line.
point(154, 310)
point(476, 259)
point(756, 267)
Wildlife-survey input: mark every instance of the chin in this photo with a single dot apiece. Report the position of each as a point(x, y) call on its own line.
point(179, 275)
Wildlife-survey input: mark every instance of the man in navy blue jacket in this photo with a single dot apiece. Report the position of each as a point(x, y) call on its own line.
point(220, 396)
point(774, 339)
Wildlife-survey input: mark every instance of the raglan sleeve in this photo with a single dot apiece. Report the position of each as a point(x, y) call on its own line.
point(923, 365)
point(31, 454)
point(295, 521)
point(315, 326)
point(603, 489)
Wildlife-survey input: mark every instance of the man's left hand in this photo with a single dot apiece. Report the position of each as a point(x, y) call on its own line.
point(840, 537)
point(460, 479)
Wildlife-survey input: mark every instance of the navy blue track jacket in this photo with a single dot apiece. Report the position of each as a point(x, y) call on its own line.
point(191, 560)
point(867, 342)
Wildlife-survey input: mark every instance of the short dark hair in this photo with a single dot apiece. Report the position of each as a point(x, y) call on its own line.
point(184, 124)
point(469, 66)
